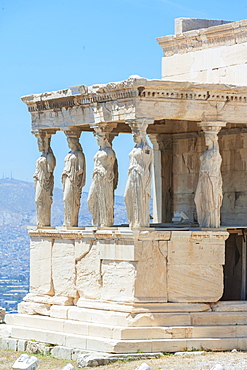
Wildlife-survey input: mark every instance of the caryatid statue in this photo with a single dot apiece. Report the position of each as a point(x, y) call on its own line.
point(44, 179)
point(104, 182)
point(73, 179)
point(137, 191)
point(208, 197)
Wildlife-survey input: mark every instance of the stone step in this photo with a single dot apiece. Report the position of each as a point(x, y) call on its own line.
point(130, 346)
point(111, 332)
point(218, 318)
point(137, 321)
point(173, 345)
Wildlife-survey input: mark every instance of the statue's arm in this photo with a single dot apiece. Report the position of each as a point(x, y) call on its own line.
point(115, 170)
point(82, 167)
point(51, 162)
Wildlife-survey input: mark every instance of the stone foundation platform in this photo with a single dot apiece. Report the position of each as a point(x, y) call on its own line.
point(120, 290)
point(221, 326)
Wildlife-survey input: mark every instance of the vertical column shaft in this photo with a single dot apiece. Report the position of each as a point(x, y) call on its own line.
point(162, 179)
point(157, 180)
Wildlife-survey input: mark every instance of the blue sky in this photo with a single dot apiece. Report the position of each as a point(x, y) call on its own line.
point(53, 44)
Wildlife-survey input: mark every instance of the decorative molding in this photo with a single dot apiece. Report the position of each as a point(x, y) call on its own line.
point(144, 102)
point(211, 235)
point(189, 94)
point(142, 88)
point(225, 34)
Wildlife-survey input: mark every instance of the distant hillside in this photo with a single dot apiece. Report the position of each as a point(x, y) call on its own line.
point(17, 211)
point(17, 206)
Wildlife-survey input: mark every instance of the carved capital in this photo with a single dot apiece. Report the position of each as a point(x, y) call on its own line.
point(44, 140)
point(42, 134)
point(139, 125)
point(105, 129)
point(73, 133)
point(161, 141)
point(212, 127)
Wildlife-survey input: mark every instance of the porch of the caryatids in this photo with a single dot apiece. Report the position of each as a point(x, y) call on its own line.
point(209, 196)
point(73, 178)
point(138, 188)
point(104, 178)
point(44, 179)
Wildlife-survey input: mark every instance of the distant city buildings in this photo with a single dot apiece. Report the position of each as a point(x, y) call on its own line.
point(14, 272)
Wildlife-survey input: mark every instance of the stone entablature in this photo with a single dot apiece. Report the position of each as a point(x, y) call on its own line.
point(221, 35)
point(136, 99)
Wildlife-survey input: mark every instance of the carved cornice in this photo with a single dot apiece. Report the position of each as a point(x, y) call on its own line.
point(124, 233)
point(136, 100)
point(142, 88)
point(225, 34)
point(94, 233)
point(83, 95)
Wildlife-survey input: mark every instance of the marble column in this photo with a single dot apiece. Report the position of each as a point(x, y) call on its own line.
point(104, 179)
point(137, 192)
point(44, 179)
point(208, 196)
point(157, 178)
point(73, 178)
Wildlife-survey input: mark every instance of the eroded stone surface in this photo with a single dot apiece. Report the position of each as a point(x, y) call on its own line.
point(150, 266)
point(186, 283)
point(40, 266)
point(63, 273)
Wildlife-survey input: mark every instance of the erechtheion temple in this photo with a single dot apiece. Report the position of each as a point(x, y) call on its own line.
point(164, 286)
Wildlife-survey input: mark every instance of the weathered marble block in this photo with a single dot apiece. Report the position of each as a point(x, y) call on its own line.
point(195, 266)
point(120, 265)
point(40, 266)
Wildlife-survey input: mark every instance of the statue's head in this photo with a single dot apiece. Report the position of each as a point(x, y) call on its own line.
point(102, 140)
point(139, 136)
point(210, 138)
point(44, 141)
point(73, 140)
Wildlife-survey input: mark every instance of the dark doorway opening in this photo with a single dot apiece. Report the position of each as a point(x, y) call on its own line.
point(235, 266)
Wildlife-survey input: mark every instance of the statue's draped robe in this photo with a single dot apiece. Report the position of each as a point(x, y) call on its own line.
point(101, 193)
point(208, 197)
point(137, 192)
point(73, 178)
point(44, 183)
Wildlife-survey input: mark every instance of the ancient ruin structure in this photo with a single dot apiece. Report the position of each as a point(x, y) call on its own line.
point(159, 288)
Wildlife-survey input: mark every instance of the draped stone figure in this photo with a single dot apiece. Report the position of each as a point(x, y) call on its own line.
point(137, 191)
point(208, 197)
point(73, 179)
point(104, 182)
point(44, 180)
